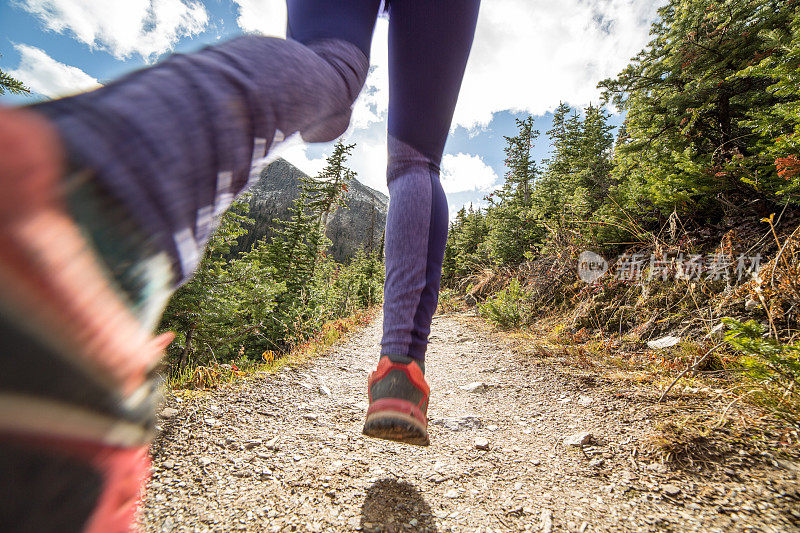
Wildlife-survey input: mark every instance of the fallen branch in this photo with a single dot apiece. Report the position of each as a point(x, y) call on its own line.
point(686, 371)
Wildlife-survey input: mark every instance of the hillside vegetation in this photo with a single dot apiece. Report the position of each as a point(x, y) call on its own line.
point(255, 306)
point(693, 202)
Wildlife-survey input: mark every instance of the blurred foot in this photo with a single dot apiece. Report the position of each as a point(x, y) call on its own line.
point(77, 397)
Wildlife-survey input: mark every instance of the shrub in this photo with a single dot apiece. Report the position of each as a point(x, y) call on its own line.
point(775, 364)
point(508, 308)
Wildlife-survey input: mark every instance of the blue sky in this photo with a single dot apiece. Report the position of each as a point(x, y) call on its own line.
point(528, 56)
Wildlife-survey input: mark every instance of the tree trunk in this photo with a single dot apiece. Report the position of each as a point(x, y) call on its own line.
point(186, 349)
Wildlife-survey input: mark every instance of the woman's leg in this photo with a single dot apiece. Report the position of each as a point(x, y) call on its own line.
point(174, 144)
point(429, 43)
point(152, 160)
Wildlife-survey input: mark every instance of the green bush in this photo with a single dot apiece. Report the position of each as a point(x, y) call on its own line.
point(508, 308)
point(775, 364)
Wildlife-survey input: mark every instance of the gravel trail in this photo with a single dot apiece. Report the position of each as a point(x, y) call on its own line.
point(285, 453)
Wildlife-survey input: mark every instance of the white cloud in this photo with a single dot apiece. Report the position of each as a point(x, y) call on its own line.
point(297, 154)
point(125, 27)
point(372, 104)
point(267, 17)
point(369, 160)
point(467, 172)
point(530, 54)
point(46, 76)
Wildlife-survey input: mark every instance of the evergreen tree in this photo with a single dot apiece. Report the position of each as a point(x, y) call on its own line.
point(778, 126)
point(513, 228)
point(521, 166)
point(593, 159)
point(11, 85)
point(548, 197)
point(326, 191)
point(464, 252)
point(690, 103)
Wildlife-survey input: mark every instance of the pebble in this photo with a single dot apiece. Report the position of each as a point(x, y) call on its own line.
point(481, 443)
point(458, 423)
point(671, 490)
point(169, 464)
point(452, 493)
point(578, 439)
point(168, 412)
point(546, 521)
point(657, 467)
point(475, 386)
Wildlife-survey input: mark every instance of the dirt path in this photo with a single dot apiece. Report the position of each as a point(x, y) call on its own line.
point(285, 453)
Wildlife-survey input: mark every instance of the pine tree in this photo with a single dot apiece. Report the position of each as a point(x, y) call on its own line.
point(521, 166)
point(690, 101)
point(513, 228)
point(326, 191)
point(11, 85)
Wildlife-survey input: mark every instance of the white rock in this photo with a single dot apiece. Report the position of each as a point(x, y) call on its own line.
point(585, 401)
point(546, 521)
point(671, 490)
point(481, 443)
point(325, 391)
point(717, 331)
point(578, 439)
point(452, 493)
point(168, 412)
point(458, 423)
point(663, 342)
point(475, 386)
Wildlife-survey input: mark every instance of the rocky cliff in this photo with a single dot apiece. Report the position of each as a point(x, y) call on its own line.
point(359, 223)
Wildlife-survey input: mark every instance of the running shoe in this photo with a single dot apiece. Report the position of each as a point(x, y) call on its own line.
point(398, 401)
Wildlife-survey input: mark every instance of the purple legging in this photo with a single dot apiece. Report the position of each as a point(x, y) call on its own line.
point(174, 143)
point(429, 42)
